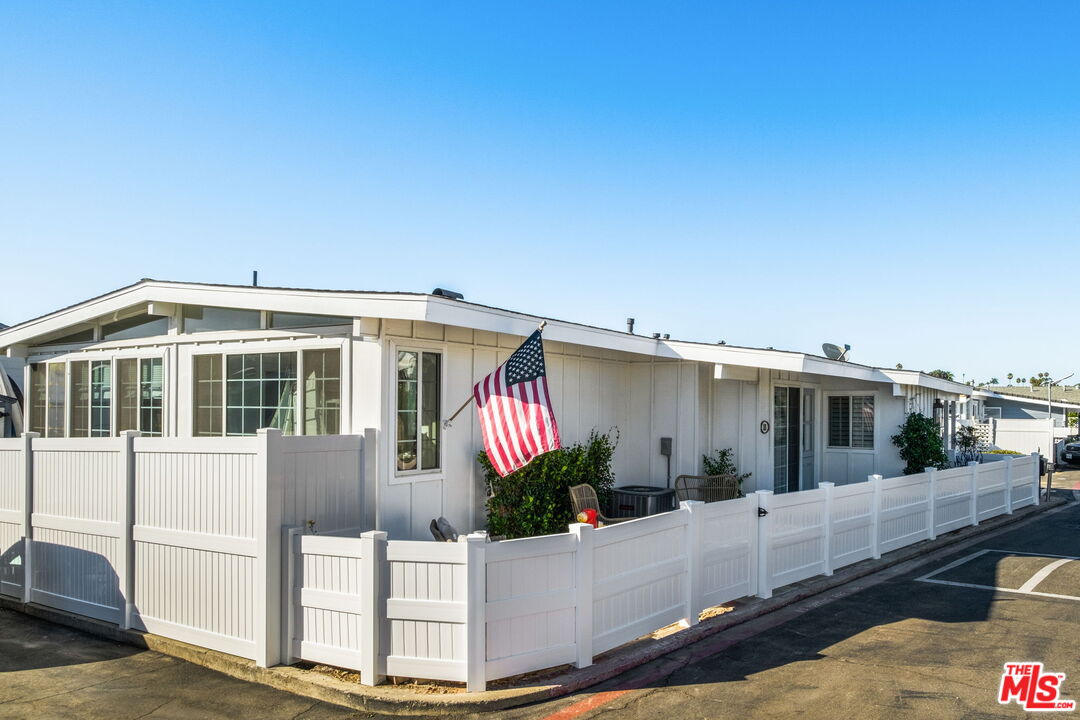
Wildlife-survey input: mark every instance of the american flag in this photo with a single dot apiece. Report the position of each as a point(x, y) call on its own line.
point(516, 419)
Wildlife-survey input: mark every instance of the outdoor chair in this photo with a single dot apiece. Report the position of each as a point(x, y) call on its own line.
point(583, 497)
point(707, 488)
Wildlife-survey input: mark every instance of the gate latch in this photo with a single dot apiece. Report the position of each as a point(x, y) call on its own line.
point(762, 512)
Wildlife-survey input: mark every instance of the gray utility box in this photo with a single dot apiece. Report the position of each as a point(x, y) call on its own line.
point(641, 500)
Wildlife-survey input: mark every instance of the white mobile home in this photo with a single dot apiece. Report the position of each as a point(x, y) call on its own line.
point(193, 360)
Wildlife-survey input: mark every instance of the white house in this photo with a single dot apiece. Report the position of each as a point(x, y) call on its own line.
point(198, 360)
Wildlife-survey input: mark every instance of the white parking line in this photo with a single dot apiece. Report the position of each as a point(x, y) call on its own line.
point(1041, 575)
point(1028, 588)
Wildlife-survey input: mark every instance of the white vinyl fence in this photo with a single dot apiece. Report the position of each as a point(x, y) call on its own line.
point(208, 541)
point(181, 537)
point(475, 611)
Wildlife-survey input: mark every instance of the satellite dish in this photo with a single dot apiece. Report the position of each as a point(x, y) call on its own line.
point(835, 352)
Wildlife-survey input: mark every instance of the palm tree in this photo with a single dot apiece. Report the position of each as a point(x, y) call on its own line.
point(993, 381)
point(1010, 377)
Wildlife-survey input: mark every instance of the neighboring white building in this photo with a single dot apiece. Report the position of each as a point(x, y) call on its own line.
point(188, 359)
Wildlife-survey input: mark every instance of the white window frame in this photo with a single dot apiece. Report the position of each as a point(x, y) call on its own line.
point(260, 349)
point(397, 477)
point(991, 412)
point(819, 444)
point(825, 439)
point(110, 356)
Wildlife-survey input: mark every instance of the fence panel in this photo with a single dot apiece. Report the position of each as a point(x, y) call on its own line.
point(952, 502)
point(991, 490)
point(323, 478)
point(729, 555)
point(531, 610)
point(426, 610)
point(12, 492)
point(639, 569)
point(195, 540)
point(852, 524)
point(904, 511)
point(78, 526)
point(1023, 483)
point(796, 544)
point(328, 587)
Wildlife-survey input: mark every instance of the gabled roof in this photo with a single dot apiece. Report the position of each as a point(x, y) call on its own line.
point(438, 309)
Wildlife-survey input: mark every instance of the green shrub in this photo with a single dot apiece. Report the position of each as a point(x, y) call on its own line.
point(535, 500)
point(919, 442)
point(721, 463)
point(1002, 452)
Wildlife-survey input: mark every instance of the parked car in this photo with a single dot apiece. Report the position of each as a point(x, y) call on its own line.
point(1071, 454)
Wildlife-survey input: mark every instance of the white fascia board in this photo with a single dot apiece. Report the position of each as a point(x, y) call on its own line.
point(774, 360)
point(405, 307)
point(918, 379)
point(461, 314)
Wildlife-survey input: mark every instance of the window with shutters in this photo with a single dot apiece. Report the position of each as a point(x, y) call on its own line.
point(851, 421)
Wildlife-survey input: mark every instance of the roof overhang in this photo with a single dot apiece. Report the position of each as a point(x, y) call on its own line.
point(990, 395)
point(158, 297)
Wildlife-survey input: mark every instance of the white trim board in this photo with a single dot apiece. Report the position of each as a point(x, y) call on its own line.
point(1026, 589)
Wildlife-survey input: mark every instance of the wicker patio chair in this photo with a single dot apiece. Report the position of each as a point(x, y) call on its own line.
point(583, 497)
point(707, 488)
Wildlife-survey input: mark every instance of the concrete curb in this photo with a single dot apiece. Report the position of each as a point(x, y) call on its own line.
point(394, 701)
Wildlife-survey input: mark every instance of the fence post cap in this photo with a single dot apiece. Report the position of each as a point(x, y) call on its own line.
point(269, 432)
point(31, 435)
point(826, 484)
point(689, 504)
point(764, 492)
point(130, 433)
point(972, 464)
point(929, 469)
point(374, 534)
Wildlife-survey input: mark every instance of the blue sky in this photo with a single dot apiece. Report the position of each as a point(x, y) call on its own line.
point(902, 177)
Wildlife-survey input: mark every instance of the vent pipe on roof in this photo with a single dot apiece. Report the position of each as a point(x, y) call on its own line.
point(254, 278)
point(443, 292)
point(656, 336)
point(630, 325)
point(667, 336)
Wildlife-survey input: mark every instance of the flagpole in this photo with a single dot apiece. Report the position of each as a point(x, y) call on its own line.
point(446, 423)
